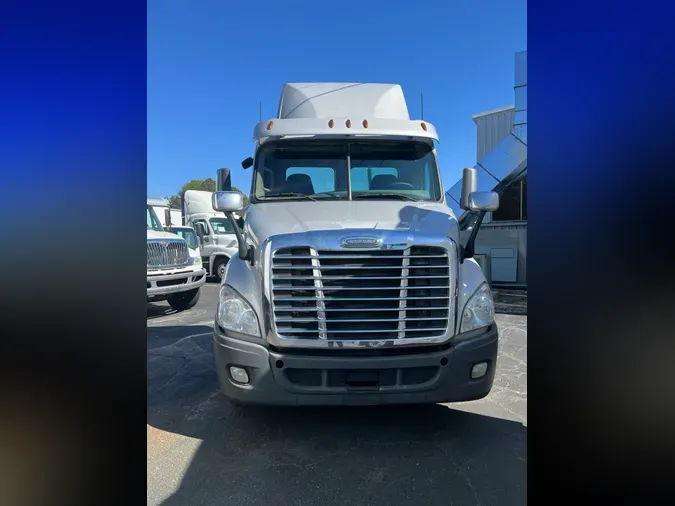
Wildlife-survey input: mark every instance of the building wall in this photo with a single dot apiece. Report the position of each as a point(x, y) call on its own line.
point(495, 238)
point(491, 129)
point(501, 160)
point(505, 236)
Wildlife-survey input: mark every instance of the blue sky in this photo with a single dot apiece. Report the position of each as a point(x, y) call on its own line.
point(211, 61)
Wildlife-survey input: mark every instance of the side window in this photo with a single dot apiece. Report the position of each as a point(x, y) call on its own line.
point(512, 203)
point(363, 177)
point(322, 179)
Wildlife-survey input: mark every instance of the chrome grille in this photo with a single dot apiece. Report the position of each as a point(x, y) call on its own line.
point(167, 253)
point(370, 295)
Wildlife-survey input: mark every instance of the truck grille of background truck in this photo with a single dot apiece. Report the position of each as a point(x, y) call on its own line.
point(369, 295)
point(166, 254)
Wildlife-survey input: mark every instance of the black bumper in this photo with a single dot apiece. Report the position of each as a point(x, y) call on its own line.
point(420, 377)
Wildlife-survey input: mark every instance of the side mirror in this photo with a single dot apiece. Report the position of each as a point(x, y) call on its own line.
point(167, 217)
point(469, 186)
point(248, 162)
point(199, 230)
point(484, 201)
point(480, 202)
point(223, 180)
point(227, 201)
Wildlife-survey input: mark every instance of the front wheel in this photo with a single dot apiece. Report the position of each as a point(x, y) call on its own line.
point(183, 300)
point(219, 268)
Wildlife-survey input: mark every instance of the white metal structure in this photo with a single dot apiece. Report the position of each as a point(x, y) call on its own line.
point(501, 144)
point(492, 127)
point(507, 161)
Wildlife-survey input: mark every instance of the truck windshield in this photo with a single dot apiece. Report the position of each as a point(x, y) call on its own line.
point(152, 220)
point(317, 170)
point(221, 226)
point(189, 235)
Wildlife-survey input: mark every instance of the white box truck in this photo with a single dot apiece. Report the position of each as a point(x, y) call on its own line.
point(165, 214)
point(174, 270)
point(217, 241)
point(350, 285)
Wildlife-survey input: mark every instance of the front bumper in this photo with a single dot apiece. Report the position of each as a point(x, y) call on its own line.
point(419, 377)
point(168, 282)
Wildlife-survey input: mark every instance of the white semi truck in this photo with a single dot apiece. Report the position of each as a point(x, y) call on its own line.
point(174, 270)
point(165, 214)
point(217, 241)
point(351, 284)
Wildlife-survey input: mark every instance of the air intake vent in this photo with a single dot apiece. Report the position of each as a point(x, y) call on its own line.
point(370, 295)
point(167, 253)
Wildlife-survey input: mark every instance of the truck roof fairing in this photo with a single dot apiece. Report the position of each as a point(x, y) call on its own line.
point(342, 100)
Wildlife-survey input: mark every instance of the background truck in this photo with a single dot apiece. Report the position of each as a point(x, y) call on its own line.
point(175, 273)
point(351, 284)
point(217, 241)
point(165, 214)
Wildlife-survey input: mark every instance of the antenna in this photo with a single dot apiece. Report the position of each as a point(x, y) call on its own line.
point(422, 103)
point(260, 111)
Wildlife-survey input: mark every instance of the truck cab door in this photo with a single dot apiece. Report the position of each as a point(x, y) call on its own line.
point(206, 242)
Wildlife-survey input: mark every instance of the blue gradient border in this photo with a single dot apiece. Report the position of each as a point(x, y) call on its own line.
point(73, 179)
point(600, 91)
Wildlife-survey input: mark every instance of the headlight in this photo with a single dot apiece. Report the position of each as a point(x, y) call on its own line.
point(194, 260)
point(479, 310)
point(234, 313)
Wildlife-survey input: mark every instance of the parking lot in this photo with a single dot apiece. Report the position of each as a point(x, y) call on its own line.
point(202, 451)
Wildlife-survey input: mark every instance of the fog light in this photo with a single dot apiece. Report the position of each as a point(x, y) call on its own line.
point(477, 371)
point(239, 375)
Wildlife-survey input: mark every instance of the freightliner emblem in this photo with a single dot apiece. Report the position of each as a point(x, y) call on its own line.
point(361, 242)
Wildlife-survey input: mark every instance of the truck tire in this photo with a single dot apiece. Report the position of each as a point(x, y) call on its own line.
point(219, 268)
point(183, 300)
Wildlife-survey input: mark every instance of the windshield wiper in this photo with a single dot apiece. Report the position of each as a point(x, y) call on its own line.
point(385, 196)
point(287, 194)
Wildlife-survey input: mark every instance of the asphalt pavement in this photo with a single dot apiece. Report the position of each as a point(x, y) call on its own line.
point(203, 451)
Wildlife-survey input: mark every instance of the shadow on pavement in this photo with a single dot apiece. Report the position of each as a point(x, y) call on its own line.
point(417, 454)
point(158, 310)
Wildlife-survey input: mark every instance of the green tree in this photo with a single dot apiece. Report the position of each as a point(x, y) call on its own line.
point(208, 185)
point(174, 201)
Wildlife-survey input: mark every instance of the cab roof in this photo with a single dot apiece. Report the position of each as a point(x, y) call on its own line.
point(343, 109)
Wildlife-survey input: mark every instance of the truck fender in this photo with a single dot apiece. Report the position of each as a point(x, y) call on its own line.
point(245, 279)
point(470, 278)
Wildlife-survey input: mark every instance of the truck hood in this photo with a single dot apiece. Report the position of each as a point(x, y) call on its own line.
point(154, 234)
point(273, 218)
